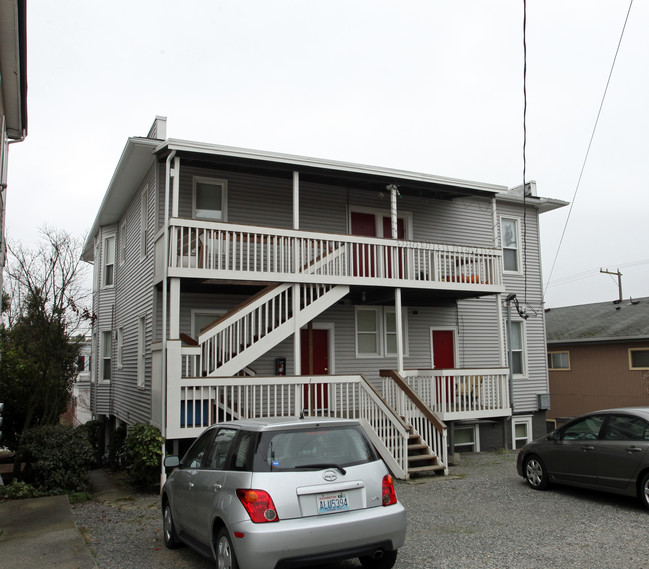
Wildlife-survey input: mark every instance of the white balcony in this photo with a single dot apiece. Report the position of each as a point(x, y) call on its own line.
point(249, 253)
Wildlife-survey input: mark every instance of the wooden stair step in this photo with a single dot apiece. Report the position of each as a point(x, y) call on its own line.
point(422, 469)
point(422, 457)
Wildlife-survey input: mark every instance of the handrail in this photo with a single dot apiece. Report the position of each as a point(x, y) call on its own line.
point(412, 395)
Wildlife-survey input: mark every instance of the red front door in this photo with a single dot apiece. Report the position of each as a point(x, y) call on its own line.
point(363, 224)
point(444, 358)
point(315, 361)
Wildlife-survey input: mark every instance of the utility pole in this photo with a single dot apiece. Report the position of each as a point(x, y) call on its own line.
point(618, 274)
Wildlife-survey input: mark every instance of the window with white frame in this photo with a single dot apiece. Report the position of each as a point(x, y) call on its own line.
point(466, 438)
point(521, 431)
point(144, 210)
point(210, 197)
point(390, 331)
point(202, 319)
point(510, 244)
point(639, 358)
point(559, 361)
point(120, 347)
point(368, 330)
point(109, 261)
point(95, 279)
point(141, 350)
point(106, 354)
point(518, 347)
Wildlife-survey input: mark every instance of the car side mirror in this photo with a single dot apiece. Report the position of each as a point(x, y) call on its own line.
point(555, 436)
point(171, 462)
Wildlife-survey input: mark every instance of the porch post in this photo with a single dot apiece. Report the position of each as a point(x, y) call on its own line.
point(394, 191)
point(296, 200)
point(174, 308)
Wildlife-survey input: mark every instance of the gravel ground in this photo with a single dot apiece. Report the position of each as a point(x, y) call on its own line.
point(481, 516)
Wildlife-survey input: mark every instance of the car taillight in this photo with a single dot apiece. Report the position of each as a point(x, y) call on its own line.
point(388, 492)
point(259, 505)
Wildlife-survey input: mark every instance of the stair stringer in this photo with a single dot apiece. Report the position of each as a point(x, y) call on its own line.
point(281, 333)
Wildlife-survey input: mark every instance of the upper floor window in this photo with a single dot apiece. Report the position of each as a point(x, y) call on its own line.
point(510, 244)
point(390, 327)
point(106, 355)
point(639, 358)
point(376, 331)
point(120, 347)
point(558, 360)
point(209, 200)
point(109, 261)
point(518, 348)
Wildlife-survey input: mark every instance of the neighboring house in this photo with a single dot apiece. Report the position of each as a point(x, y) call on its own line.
point(230, 282)
point(13, 95)
point(79, 410)
point(598, 356)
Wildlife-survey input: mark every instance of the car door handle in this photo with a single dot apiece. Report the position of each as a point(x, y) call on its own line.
point(191, 485)
point(587, 448)
point(631, 450)
point(216, 487)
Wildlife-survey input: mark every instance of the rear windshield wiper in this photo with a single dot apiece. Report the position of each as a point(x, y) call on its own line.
point(323, 465)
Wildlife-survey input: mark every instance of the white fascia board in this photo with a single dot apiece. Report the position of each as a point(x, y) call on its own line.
point(135, 161)
point(542, 204)
point(10, 67)
point(333, 165)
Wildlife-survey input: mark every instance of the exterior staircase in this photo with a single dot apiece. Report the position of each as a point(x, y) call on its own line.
point(421, 458)
point(247, 332)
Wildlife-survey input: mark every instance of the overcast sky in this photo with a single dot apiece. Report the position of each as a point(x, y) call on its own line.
point(427, 86)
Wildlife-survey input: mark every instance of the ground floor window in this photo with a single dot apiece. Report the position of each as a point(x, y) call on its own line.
point(466, 438)
point(521, 431)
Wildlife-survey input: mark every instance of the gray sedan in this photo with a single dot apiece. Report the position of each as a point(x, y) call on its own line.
point(272, 494)
point(604, 450)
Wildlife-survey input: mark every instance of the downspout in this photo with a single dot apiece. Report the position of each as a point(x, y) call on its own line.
point(165, 272)
point(510, 298)
point(297, 339)
point(398, 316)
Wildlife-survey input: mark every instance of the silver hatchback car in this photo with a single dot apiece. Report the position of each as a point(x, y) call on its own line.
point(283, 493)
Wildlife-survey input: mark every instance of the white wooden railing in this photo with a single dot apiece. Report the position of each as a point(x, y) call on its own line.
point(194, 403)
point(455, 394)
point(244, 252)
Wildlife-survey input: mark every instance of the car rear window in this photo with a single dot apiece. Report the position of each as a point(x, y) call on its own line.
point(313, 448)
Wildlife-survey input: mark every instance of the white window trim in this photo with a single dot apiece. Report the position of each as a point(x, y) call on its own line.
point(378, 315)
point(97, 267)
point(141, 351)
point(476, 437)
point(517, 223)
point(104, 264)
point(522, 420)
point(404, 318)
point(102, 359)
point(525, 373)
point(120, 347)
point(224, 196)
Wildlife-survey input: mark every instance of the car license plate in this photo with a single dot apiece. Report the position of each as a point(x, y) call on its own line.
point(328, 503)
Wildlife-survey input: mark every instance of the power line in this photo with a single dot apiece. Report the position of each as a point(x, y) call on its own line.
point(590, 143)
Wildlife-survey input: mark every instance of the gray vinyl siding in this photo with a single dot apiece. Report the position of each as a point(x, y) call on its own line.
point(103, 309)
point(268, 201)
point(530, 295)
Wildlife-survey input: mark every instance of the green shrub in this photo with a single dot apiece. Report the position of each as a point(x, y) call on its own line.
point(143, 454)
point(57, 458)
point(18, 490)
point(93, 430)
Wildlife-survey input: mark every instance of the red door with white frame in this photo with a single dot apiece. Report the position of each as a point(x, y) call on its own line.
point(444, 358)
point(315, 361)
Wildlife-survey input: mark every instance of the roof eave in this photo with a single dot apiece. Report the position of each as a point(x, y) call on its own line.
point(322, 164)
point(13, 65)
point(135, 161)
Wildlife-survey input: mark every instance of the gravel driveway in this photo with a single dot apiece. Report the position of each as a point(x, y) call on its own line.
point(481, 516)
